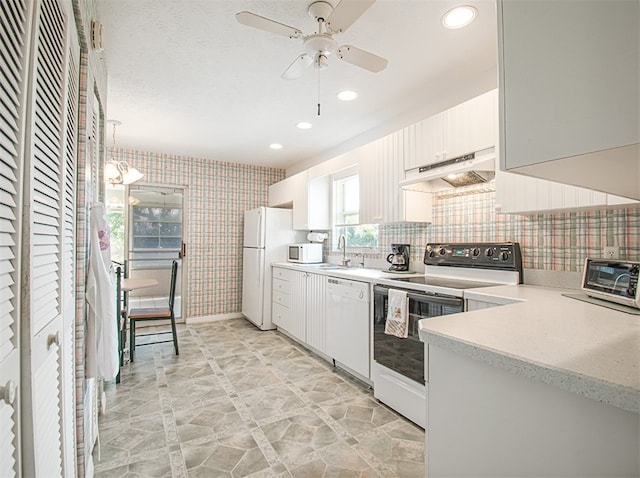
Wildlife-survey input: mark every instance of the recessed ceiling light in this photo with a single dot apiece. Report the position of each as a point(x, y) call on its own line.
point(459, 17)
point(304, 125)
point(347, 95)
point(275, 146)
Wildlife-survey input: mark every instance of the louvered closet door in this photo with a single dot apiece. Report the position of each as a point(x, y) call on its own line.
point(13, 40)
point(69, 169)
point(43, 251)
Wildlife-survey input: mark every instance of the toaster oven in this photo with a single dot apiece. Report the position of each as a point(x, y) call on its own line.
point(615, 281)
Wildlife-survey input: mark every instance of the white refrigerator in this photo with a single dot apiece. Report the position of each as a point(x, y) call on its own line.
point(267, 233)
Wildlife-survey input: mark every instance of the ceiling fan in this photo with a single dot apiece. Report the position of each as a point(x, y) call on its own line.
point(320, 45)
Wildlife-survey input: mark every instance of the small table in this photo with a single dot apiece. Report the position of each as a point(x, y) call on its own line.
point(130, 284)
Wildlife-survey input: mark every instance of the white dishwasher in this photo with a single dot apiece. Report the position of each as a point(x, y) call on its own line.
point(348, 324)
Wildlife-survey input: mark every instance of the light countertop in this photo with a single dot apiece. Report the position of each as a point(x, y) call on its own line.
point(352, 272)
point(584, 348)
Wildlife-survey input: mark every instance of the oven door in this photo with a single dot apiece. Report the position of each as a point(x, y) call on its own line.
point(406, 356)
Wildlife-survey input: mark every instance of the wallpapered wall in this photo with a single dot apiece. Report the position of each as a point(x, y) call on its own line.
point(217, 195)
point(557, 242)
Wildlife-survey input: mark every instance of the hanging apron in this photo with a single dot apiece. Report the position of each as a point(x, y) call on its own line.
point(102, 359)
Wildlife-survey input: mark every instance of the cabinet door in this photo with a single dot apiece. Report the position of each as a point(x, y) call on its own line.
point(432, 139)
point(516, 193)
point(316, 311)
point(371, 183)
point(392, 172)
point(470, 126)
point(300, 196)
point(295, 322)
point(573, 89)
point(318, 203)
point(281, 193)
point(413, 139)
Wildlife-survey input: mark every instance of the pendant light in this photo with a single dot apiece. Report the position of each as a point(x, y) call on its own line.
point(119, 172)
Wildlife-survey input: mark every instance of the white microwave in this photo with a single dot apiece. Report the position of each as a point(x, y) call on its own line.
point(307, 253)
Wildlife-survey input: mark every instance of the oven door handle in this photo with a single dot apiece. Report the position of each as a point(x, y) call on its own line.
point(436, 299)
point(424, 298)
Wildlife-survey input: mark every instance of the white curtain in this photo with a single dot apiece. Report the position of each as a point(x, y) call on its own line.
point(102, 329)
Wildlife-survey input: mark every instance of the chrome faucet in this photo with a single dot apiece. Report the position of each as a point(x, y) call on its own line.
point(342, 246)
point(361, 254)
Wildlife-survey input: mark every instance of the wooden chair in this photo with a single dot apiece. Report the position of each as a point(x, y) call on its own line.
point(155, 313)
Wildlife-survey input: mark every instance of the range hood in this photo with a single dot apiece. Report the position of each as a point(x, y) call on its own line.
point(472, 168)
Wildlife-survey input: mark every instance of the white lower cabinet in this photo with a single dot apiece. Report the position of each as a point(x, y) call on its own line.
point(288, 301)
point(299, 305)
point(486, 421)
point(316, 312)
point(330, 315)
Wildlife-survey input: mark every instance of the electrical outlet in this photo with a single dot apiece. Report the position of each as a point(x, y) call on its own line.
point(611, 252)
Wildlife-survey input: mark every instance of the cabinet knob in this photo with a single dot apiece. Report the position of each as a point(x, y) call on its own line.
point(53, 339)
point(8, 392)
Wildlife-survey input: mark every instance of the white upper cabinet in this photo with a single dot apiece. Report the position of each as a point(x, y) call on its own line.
point(309, 199)
point(470, 126)
point(465, 128)
point(569, 75)
point(382, 200)
point(519, 194)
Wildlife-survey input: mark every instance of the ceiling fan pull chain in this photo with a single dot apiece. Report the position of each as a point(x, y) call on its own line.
point(318, 65)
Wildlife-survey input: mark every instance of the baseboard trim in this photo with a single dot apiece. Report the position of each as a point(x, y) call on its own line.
point(213, 318)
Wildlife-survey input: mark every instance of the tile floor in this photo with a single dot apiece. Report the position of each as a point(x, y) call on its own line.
point(242, 402)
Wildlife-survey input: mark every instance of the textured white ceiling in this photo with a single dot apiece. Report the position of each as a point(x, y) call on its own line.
point(184, 77)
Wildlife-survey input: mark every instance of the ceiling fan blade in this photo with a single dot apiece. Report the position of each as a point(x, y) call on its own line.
point(261, 23)
point(347, 12)
point(296, 69)
point(362, 58)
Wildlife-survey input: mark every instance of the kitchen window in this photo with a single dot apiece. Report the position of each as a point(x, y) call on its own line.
point(346, 209)
point(156, 228)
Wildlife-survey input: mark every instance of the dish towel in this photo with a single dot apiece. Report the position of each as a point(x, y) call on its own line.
point(397, 314)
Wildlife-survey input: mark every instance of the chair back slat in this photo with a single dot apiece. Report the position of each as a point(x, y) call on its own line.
point(172, 287)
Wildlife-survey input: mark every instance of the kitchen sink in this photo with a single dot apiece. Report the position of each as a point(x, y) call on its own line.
point(326, 266)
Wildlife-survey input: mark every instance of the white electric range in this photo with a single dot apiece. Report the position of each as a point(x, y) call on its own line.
point(398, 369)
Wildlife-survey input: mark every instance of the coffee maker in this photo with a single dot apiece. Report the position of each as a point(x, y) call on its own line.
point(399, 258)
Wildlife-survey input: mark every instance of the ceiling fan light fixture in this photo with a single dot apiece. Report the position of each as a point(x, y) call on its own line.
point(320, 43)
point(347, 95)
point(304, 125)
point(459, 17)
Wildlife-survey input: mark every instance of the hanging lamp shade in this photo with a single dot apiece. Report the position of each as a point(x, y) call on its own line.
point(119, 172)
